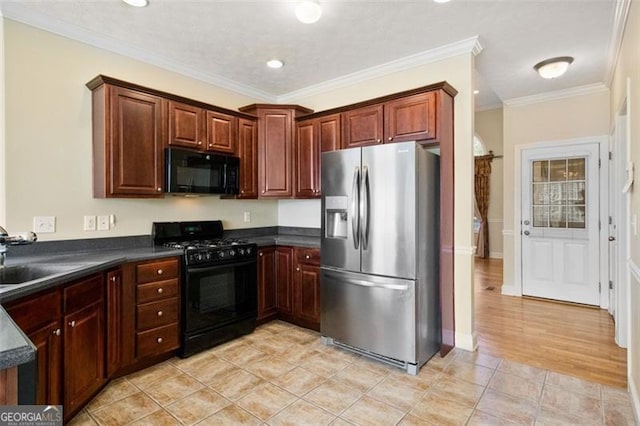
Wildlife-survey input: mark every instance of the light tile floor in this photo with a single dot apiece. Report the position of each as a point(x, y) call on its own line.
point(283, 375)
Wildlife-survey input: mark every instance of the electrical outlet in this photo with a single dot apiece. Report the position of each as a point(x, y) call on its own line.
point(247, 217)
point(89, 223)
point(44, 224)
point(103, 223)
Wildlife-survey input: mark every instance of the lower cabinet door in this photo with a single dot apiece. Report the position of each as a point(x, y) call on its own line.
point(84, 356)
point(48, 343)
point(307, 294)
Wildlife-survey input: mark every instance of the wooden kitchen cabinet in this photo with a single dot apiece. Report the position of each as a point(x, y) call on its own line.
point(411, 118)
point(267, 308)
point(330, 131)
point(84, 340)
point(362, 126)
point(248, 153)
point(221, 132)
point(40, 317)
point(276, 130)
point(186, 125)
point(284, 280)
point(306, 287)
point(307, 160)
point(128, 140)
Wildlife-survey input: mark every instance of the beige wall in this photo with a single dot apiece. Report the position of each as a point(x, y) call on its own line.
point(628, 68)
point(566, 118)
point(48, 139)
point(458, 71)
point(489, 127)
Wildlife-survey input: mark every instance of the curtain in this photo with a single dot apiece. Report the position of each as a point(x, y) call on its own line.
point(482, 173)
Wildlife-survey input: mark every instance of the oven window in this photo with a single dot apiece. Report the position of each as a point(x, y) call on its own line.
point(220, 295)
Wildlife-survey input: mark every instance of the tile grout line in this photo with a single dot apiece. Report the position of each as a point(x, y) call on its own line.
point(484, 390)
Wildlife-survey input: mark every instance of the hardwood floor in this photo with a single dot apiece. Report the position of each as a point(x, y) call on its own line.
point(569, 339)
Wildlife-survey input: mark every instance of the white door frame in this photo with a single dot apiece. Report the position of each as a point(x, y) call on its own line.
point(603, 236)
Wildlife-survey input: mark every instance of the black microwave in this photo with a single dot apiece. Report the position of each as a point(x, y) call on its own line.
point(191, 172)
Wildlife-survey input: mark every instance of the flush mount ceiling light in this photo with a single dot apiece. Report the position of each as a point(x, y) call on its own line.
point(137, 3)
point(475, 92)
point(308, 11)
point(275, 63)
point(554, 67)
point(441, 1)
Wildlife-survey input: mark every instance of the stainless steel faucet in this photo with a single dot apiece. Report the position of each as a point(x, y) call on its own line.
point(13, 240)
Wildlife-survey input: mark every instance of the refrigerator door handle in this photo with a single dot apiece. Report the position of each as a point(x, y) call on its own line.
point(364, 207)
point(355, 202)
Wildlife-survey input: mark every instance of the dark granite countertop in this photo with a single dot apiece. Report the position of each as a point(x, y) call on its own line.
point(78, 258)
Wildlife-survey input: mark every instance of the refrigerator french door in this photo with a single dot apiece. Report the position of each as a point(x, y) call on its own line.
point(379, 252)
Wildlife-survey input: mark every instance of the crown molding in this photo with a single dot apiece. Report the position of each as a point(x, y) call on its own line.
point(489, 107)
point(17, 12)
point(587, 89)
point(469, 45)
point(615, 43)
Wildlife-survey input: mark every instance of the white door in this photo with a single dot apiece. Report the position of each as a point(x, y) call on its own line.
point(560, 223)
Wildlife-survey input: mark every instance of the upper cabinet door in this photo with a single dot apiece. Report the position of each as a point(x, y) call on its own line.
point(329, 130)
point(410, 119)
point(275, 152)
point(135, 147)
point(221, 132)
point(362, 126)
point(307, 160)
point(186, 125)
point(248, 153)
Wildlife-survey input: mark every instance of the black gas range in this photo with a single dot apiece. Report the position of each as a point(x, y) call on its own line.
point(219, 282)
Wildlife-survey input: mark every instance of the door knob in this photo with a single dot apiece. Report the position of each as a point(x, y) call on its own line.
point(611, 238)
point(526, 232)
point(526, 222)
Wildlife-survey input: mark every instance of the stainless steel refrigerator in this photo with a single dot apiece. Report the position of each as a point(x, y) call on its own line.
point(379, 252)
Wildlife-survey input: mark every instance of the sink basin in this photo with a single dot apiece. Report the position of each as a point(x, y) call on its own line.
point(12, 275)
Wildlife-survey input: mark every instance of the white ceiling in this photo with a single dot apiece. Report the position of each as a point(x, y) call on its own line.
point(229, 41)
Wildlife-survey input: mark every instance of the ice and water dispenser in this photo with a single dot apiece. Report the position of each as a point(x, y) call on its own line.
point(335, 212)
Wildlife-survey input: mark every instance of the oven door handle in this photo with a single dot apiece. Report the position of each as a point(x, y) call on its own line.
point(194, 268)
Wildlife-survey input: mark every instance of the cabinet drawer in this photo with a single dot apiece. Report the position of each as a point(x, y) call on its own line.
point(308, 255)
point(157, 290)
point(84, 293)
point(158, 340)
point(155, 271)
point(37, 311)
point(156, 314)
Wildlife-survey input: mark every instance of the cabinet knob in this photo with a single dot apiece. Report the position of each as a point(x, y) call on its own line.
point(72, 323)
point(159, 313)
point(159, 189)
point(160, 271)
point(378, 140)
point(390, 138)
point(56, 332)
point(160, 290)
point(261, 254)
point(113, 279)
point(307, 257)
point(199, 142)
point(159, 340)
point(263, 191)
point(242, 191)
point(298, 269)
point(210, 145)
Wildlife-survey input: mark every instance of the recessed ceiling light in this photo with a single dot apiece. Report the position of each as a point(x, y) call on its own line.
point(554, 67)
point(475, 92)
point(308, 11)
point(275, 63)
point(137, 3)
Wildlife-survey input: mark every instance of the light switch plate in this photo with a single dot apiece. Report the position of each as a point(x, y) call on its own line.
point(247, 217)
point(89, 223)
point(103, 223)
point(44, 224)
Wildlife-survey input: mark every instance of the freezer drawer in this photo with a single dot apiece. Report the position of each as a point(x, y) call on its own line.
point(369, 312)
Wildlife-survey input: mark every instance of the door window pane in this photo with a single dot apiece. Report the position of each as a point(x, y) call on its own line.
point(558, 197)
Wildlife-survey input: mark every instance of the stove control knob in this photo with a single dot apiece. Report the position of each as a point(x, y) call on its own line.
point(199, 257)
point(241, 251)
point(232, 253)
point(208, 256)
point(249, 250)
point(221, 254)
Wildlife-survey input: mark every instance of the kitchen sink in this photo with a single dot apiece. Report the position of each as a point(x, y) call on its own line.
point(13, 275)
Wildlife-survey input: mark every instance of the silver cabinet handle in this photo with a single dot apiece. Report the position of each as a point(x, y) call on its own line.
point(160, 271)
point(56, 332)
point(160, 290)
point(159, 340)
point(72, 323)
point(159, 313)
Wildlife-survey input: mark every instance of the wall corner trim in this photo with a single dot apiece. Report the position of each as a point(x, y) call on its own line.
point(510, 290)
point(467, 341)
point(617, 33)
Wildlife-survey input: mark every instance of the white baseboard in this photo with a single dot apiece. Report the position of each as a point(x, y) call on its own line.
point(468, 342)
point(495, 254)
point(635, 401)
point(510, 290)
